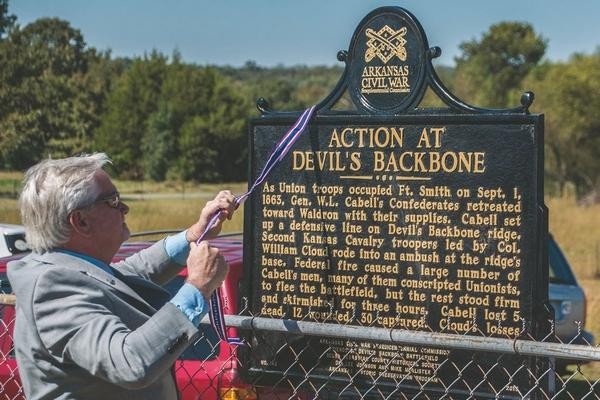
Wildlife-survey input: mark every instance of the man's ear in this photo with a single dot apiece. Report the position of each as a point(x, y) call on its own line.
point(80, 223)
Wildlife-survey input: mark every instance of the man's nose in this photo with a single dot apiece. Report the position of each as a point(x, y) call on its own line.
point(123, 207)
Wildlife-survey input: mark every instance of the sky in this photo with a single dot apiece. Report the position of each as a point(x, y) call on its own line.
point(308, 32)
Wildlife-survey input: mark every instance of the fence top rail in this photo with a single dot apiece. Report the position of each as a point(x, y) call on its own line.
point(405, 337)
point(428, 339)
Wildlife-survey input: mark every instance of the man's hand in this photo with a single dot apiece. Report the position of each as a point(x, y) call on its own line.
point(207, 268)
point(223, 201)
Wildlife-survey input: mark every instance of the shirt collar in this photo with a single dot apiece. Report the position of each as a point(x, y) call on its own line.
point(100, 264)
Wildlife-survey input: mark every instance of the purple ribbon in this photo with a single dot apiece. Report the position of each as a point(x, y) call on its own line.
point(281, 149)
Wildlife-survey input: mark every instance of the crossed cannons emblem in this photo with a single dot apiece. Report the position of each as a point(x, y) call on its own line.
point(385, 44)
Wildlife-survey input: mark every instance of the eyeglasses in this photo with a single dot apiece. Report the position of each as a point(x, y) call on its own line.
point(113, 200)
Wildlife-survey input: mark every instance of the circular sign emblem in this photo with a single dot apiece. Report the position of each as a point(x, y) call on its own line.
point(387, 56)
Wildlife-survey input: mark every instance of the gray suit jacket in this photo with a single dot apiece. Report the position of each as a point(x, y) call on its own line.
point(81, 333)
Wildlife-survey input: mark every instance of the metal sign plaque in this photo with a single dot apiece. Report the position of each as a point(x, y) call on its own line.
point(398, 218)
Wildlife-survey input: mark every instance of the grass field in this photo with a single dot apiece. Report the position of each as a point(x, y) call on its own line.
point(577, 230)
point(174, 213)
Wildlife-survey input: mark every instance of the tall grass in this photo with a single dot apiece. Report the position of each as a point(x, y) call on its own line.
point(148, 215)
point(10, 183)
point(9, 213)
point(577, 231)
point(180, 210)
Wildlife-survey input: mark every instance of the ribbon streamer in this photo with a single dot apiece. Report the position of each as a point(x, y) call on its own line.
point(281, 149)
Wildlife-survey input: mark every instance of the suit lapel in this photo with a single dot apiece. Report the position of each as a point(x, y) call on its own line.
point(154, 295)
point(91, 270)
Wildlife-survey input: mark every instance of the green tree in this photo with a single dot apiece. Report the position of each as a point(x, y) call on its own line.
point(187, 89)
point(286, 88)
point(158, 144)
point(446, 76)
point(40, 87)
point(212, 146)
point(198, 155)
point(177, 120)
point(135, 97)
point(228, 114)
point(488, 70)
point(7, 21)
point(17, 149)
point(567, 93)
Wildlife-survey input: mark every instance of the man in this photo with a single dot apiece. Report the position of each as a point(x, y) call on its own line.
point(86, 329)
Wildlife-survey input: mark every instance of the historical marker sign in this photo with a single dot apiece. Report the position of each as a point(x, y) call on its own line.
point(399, 218)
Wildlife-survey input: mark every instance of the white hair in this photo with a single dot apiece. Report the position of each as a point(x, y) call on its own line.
point(52, 189)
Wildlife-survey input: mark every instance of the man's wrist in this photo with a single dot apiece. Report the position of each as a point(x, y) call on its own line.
point(191, 302)
point(178, 247)
point(193, 233)
point(203, 291)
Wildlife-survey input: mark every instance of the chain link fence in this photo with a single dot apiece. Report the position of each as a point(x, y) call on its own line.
point(287, 359)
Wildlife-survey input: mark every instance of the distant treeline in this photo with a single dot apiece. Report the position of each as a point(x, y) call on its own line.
point(159, 117)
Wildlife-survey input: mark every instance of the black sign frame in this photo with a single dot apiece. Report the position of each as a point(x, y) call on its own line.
point(398, 111)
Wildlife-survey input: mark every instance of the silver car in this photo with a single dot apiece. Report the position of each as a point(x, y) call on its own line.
point(567, 298)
